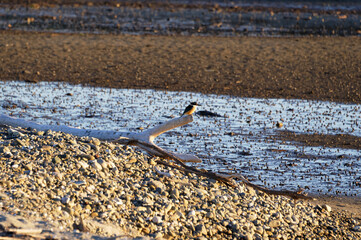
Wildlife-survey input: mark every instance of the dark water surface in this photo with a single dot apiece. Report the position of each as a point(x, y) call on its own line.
point(223, 18)
point(243, 139)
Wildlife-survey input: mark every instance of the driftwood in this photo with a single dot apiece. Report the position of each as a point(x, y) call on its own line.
point(144, 140)
point(226, 179)
point(294, 195)
point(147, 136)
point(180, 165)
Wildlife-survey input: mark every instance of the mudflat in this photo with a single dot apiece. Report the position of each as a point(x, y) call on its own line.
point(318, 68)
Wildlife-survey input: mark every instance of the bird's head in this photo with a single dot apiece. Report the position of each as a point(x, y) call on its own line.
point(195, 104)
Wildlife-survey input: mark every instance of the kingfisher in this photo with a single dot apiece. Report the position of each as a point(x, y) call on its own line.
point(191, 108)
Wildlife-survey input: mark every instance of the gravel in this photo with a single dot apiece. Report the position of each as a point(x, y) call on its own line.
point(66, 184)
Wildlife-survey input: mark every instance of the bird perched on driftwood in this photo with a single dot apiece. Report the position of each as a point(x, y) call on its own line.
point(191, 108)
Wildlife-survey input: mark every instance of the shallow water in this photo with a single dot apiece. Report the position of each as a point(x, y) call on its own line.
point(241, 141)
point(239, 18)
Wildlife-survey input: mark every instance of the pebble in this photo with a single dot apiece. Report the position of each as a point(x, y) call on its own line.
point(156, 184)
point(357, 228)
point(274, 223)
point(157, 219)
point(118, 186)
point(83, 164)
point(192, 213)
point(96, 165)
point(327, 208)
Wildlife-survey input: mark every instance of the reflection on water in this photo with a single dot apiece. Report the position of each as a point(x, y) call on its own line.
point(240, 141)
point(236, 18)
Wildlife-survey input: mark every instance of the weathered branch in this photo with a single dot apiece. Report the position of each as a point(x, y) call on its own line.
point(181, 166)
point(291, 194)
point(144, 140)
point(147, 136)
point(219, 177)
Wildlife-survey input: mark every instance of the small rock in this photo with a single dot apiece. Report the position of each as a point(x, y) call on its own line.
point(252, 217)
point(96, 141)
point(192, 213)
point(29, 166)
point(168, 208)
point(40, 133)
point(180, 214)
point(13, 133)
point(20, 142)
point(46, 148)
point(201, 229)
point(175, 193)
point(141, 209)
point(357, 228)
point(274, 223)
point(259, 229)
point(8, 154)
point(56, 160)
point(80, 183)
point(83, 164)
point(327, 208)
point(156, 184)
point(4, 149)
point(96, 165)
point(102, 163)
point(132, 160)
point(156, 219)
point(65, 200)
point(86, 156)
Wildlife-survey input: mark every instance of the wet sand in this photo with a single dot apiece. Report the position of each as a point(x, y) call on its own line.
point(317, 68)
point(345, 141)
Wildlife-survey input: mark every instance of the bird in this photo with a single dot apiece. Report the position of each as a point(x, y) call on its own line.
point(191, 108)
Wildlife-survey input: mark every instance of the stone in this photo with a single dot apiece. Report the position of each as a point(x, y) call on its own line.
point(83, 164)
point(157, 219)
point(14, 133)
point(252, 217)
point(65, 200)
point(191, 214)
point(4, 150)
point(327, 207)
point(175, 193)
point(20, 142)
point(157, 184)
point(200, 229)
point(274, 223)
point(132, 160)
point(357, 228)
point(96, 165)
point(95, 141)
point(56, 160)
